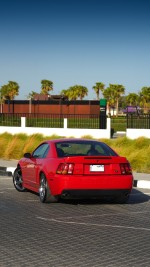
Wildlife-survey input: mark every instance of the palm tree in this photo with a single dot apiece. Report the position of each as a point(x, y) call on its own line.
point(97, 88)
point(64, 93)
point(82, 91)
point(144, 96)
point(9, 90)
point(72, 93)
point(109, 95)
point(113, 94)
point(119, 90)
point(132, 99)
point(75, 92)
point(46, 86)
point(31, 95)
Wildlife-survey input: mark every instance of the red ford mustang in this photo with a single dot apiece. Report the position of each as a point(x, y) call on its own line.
point(74, 168)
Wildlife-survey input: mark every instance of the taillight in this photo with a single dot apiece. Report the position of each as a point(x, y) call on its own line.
point(65, 168)
point(125, 168)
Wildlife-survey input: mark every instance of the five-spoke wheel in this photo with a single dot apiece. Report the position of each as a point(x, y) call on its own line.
point(44, 191)
point(17, 180)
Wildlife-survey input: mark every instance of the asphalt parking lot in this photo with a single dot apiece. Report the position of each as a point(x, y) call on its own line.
point(73, 234)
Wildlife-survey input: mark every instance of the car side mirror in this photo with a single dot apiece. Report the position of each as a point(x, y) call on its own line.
point(27, 155)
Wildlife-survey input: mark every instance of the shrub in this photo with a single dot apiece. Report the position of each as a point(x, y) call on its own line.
point(136, 151)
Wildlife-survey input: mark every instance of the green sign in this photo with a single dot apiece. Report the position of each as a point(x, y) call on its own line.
point(103, 102)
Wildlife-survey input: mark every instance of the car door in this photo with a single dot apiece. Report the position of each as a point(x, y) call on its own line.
point(35, 163)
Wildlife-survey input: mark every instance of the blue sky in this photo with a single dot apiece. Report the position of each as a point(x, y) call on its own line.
point(75, 42)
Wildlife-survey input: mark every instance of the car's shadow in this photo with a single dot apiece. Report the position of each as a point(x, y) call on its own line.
point(136, 197)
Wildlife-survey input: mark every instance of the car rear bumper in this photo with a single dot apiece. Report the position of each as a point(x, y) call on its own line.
point(89, 184)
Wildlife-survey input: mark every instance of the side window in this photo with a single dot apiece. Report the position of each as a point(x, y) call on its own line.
point(41, 151)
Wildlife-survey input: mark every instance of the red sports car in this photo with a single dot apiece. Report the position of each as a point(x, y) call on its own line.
point(74, 168)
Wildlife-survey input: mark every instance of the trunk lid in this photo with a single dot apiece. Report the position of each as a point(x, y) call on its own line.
point(96, 165)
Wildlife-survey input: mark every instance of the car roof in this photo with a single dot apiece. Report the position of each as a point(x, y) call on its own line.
point(69, 140)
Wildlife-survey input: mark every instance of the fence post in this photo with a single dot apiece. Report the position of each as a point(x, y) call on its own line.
point(23, 122)
point(108, 124)
point(65, 123)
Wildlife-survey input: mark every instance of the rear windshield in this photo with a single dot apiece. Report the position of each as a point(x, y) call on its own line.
point(83, 148)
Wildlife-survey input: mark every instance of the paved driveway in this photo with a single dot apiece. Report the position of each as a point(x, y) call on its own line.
point(73, 234)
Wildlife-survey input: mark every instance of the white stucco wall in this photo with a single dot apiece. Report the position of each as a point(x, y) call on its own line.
point(136, 133)
point(69, 132)
point(64, 132)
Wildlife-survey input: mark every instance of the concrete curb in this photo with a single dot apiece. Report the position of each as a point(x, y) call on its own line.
point(7, 171)
point(10, 169)
point(143, 184)
point(138, 183)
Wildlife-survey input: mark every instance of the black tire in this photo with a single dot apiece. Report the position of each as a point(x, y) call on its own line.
point(17, 180)
point(44, 191)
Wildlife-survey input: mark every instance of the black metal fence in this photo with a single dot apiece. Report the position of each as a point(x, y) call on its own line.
point(141, 121)
point(84, 121)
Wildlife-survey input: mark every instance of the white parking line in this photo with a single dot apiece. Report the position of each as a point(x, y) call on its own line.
point(32, 200)
point(5, 178)
point(93, 215)
point(95, 224)
point(104, 225)
point(8, 188)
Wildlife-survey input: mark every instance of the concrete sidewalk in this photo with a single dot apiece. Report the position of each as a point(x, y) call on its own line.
point(141, 180)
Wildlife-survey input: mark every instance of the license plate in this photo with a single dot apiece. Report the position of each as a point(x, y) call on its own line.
point(96, 168)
